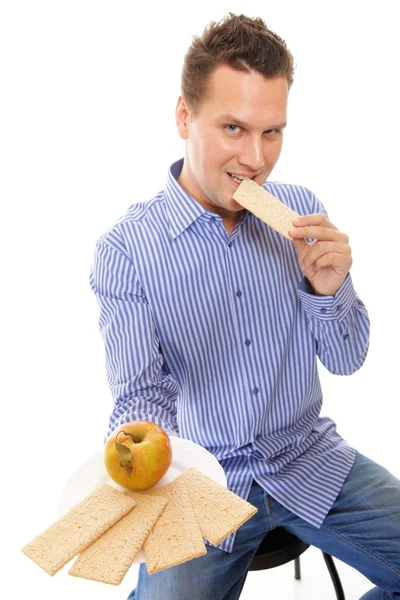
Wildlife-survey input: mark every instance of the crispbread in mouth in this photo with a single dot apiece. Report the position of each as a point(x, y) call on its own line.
point(266, 207)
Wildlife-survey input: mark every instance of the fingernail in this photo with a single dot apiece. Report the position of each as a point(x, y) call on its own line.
point(296, 222)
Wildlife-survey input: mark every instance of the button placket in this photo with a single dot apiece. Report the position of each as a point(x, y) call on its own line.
point(241, 317)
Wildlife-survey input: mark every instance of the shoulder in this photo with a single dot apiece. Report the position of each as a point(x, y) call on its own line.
point(143, 215)
point(298, 197)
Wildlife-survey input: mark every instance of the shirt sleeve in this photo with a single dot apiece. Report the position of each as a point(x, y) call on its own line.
point(140, 384)
point(340, 323)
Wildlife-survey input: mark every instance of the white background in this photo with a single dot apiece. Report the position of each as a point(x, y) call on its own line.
point(87, 128)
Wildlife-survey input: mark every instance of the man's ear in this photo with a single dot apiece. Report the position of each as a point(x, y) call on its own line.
point(182, 117)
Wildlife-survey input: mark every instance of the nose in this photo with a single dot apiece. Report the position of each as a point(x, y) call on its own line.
point(252, 154)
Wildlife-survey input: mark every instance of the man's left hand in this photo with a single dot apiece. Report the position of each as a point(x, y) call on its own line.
point(325, 261)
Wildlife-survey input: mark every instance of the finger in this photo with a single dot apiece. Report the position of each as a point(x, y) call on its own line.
point(334, 260)
point(313, 219)
point(302, 247)
point(321, 248)
point(319, 233)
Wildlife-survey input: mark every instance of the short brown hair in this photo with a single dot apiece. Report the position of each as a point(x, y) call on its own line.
point(241, 42)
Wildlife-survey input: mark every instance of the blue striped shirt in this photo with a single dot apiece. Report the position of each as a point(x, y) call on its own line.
point(216, 337)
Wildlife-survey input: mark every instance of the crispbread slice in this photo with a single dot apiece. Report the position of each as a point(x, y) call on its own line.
point(176, 537)
point(265, 206)
point(219, 511)
point(108, 559)
point(78, 528)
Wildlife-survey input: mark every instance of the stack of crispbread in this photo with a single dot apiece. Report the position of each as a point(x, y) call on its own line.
point(108, 528)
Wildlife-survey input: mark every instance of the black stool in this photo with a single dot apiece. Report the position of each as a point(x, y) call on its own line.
point(279, 547)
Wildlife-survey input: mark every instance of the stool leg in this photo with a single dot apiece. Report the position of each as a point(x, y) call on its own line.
point(297, 573)
point(334, 576)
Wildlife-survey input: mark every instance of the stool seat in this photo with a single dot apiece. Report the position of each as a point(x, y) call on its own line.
point(279, 546)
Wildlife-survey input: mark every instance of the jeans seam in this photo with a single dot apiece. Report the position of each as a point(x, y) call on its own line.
point(268, 508)
point(361, 547)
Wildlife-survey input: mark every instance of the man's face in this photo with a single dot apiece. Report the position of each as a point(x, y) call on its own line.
point(237, 129)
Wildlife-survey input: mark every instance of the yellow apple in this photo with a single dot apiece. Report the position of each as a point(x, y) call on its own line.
point(137, 455)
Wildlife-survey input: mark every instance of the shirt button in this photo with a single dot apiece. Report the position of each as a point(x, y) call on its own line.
point(230, 245)
point(339, 307)
point(247, 342)
point(346, 336)
point(238, 293)
point(255, 390)
point(323, 310)
point(213, 220)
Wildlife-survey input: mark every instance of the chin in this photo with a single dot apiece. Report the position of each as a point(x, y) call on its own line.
point(234, 206)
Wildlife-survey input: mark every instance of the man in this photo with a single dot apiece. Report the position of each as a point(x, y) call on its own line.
point(213, 323)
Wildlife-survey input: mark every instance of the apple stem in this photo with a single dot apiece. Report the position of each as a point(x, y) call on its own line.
point(126, 433)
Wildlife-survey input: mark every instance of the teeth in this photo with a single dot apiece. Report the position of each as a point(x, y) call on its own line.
point(237, 177)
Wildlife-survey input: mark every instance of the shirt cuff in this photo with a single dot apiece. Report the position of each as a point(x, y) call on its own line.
point(327, 308)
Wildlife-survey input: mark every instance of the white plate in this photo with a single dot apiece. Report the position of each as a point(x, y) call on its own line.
point(92, 474)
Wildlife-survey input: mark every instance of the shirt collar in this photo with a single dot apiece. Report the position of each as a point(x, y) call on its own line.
point(182, 209)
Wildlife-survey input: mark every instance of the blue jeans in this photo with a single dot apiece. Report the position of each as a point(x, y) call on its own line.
point(362, 529)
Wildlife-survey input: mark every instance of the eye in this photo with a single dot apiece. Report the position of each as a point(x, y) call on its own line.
point(273, 132)
point(233, 128)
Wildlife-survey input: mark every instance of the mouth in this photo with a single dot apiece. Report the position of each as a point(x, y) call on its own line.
point(237, 179)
